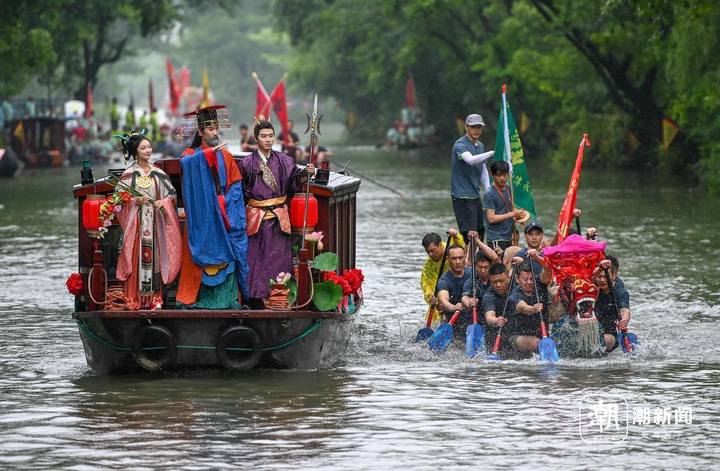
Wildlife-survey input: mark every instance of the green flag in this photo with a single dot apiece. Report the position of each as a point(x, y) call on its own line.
point(509, 148)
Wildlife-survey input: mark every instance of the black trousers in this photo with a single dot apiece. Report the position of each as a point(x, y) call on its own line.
point(469, 216)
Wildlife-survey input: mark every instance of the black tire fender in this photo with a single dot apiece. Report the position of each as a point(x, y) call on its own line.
point(154, 360)
point(245, 336)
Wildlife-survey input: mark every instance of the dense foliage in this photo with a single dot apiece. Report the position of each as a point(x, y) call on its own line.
point(612, 68)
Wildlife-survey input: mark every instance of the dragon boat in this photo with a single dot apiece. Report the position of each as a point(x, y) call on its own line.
point(120, 341)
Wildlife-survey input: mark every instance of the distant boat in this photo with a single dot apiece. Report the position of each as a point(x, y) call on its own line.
point(39, 142)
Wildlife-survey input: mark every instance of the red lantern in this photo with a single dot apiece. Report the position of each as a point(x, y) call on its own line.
point(297, 211)
point(91, 212)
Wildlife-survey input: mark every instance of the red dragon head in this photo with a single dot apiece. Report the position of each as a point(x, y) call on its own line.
point(583, 297)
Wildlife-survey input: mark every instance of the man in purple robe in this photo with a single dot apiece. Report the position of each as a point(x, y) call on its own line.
point(270, 179)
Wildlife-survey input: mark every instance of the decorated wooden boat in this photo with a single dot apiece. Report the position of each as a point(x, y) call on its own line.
point(120, 341)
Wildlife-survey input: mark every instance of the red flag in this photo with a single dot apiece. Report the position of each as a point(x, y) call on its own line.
point(184, 80)
point(566, 213)
point(89, 102)
point(262, 99)
point(410, 92)
point(151, 97)
point(279, 103)
point(173, 86)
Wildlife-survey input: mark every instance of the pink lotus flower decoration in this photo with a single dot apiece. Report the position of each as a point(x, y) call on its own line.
point(314, 237)
point(282, 278)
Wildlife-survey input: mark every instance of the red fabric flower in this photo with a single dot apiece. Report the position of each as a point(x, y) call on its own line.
point(74, 284)
point(350, 281)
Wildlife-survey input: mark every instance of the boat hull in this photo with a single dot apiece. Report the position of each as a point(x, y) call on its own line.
point(309, 340)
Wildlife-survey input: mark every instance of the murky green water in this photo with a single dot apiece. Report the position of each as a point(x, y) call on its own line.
point(392, 403)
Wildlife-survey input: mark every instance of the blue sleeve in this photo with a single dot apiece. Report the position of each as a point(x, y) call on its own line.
point(235, 206)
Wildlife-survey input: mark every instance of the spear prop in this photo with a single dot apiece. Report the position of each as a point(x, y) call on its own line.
point(313, 127)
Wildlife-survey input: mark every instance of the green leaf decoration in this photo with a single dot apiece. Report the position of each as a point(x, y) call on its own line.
point(292, 295)
point(327, 296)
point(327, 261)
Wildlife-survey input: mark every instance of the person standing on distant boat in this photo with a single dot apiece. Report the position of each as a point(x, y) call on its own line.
point(150, 253)
point(469, 178)
point(247, 140)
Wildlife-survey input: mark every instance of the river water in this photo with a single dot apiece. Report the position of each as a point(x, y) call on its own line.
point(392, 403)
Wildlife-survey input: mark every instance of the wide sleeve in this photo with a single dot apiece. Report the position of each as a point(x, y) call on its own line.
point(298, 179)
point(127, 217)
point(169, 240)
point(235, 205)
point(165, 187)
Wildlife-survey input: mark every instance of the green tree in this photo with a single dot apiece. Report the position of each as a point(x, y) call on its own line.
point(231, 42)
point(26, 45)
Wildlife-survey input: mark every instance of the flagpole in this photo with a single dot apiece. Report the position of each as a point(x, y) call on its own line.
point(506, 136)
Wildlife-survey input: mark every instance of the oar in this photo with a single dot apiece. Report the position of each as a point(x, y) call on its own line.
point(375, 182)
point(442, 337)
point(495, 356)
point(427, 331)
point(546, 347)
point(626, 339)
point(475, 334)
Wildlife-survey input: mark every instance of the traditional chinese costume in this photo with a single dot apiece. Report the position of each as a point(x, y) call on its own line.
point(150, 252)
point(214, 271)
point(268, 186)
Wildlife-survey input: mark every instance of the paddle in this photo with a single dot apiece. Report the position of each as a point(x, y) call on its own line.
point(442, 337)
point(427, 331)
point(475, 334)
point(376, 182)
point(546, 347)
point(496, 347)
point(626, 339)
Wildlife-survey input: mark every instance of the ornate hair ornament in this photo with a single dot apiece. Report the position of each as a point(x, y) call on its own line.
point(125, 141)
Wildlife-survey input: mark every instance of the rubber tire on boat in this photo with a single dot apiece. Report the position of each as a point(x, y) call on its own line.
point(249, 338)
point(167, 339)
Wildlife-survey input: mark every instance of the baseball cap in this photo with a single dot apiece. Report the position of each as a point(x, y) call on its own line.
point(474, 120)
point(533, 225)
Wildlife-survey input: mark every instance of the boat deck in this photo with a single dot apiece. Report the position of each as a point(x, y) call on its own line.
point(210, 314)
